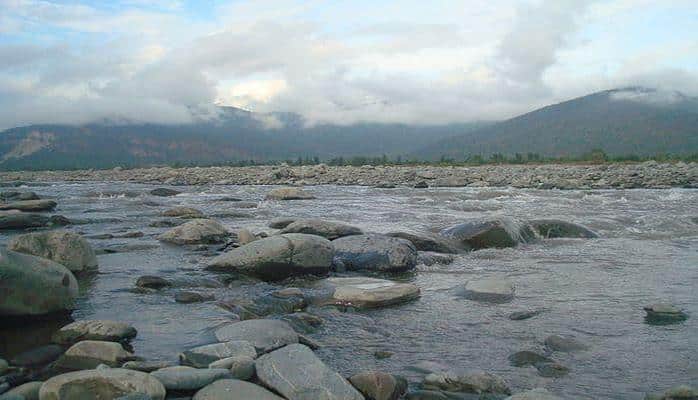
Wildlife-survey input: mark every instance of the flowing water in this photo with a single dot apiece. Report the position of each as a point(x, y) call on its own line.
point(591, 289)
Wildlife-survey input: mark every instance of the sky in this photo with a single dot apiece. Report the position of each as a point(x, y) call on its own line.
point(342, 62)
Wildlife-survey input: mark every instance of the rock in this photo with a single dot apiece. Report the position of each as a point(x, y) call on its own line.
point(327, 229)
point(233, 389)
point(152, 282)
point(663, 314)
point(264, 334)
point(493, 290)
point(289, 193)
point(34, 286)
point(147, 366)
point(13, 195)
point(38, 357)
point(382, 354)
point(374, 252)
point(477, 234)
point(59, 220)
point(265, 305)
point(203, 356)
point(552, 370)
point(187, 297)
point(526, 358)
point(188, 378)
point(100, 384)
point(552, 228)
point(196, 231)
point(164, 192)
point(241, 367)
point(521, 315)
point(89, 354)
point(564, 344)
point(279, 370)
point(27, 391)
point(183, 212)
point(111, 331)
point(470, 382)
point(682, 392)
point(3, 366)
point(534, 394)
point(428, 243)
point(66, 248)
point(426, 395)
point(245, 237)
point(281, 223)
point(421, 185)
point(18, 220)
point(278, 257)
point(166, 223)
point(303, 322)
point(430, 258)
point(379, 385)
point(364, 293)
point(29, 205)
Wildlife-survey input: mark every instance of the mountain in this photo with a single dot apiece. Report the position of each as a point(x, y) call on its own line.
point(628, 121)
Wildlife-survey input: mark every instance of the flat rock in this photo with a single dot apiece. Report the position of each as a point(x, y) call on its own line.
point(111, 331)
point(196, 231)
point(379, 385)
point(66, 248)
point(492, 290)
point(106, 384)
point(280, 371)
point(188, 378)
point(374, 252)
point(233, 389)
point(183, 212)
point(29, 205)
point(289, 193)
point(264, 334)
point(364, 293)
point(469, 382)
point(328, 229)
point(203, 356)
point(147, 366)
point(14, 219)
point(424, 242)
point(89, 354)
point(152, 282)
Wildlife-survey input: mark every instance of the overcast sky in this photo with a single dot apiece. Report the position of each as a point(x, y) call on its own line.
point(410, 61)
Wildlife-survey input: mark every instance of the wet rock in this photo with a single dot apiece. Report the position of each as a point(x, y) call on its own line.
point(664, 314)
point(38, 357)
point(241, 367)
point(203, 356)
point(233, 389)
point(58, 220)
point(66, 248)
point(374, 252)
point(552, 370)
point(164, 192)
point(111, 331)
point(327, 229)
point(499, 233)
point(29, 205)
point(229, 198)
point(279, 371)
point(534, 394)
point(196, 231)
point(147, 366)
point(365, 293)
point(183, 212)
point(12, 195)
point(682, 392)
point(526, 358)
point(289, 193)
point(303, 322)
point(265, 305)
point(26, 391)
point(126, 248)
point(425, 242)
point(379, 385)
point(468, 382)
point(245, 236)
point(105, 384)
point(264, 334)
point(34, 286)
point(430, 258)
point(166, 223)
point(382, 354)
point(492, 290)
point(564, 344)
point(19, 220)
point(552, 228)
point(188, 378)
point(421, 185)
point(278, 257)
point(187, 297)
point(281, 223)
point(152, 282)
point(521, 315)
point(89, 354)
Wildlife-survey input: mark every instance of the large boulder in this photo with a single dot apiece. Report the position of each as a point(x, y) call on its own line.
point(493, 290)
point(202, 356)
point(34, 286)
point(424, 242)
point(103, 384)
point(478, 382)
point(327, 229)
point(188, 378)
point(553, 228)
point(264, 334)
point(374, 252)
point(63, 247)
point(111, 331)
point(379, 385)
point(196, 231)
point(278, 257)
point(29, 205)
point(14, 219)
point(289, 193)
point(497, 233)
point(233, 389)
point(91, 353)
point(297, 374)
point(364, 293)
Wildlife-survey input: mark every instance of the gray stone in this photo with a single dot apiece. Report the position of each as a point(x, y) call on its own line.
point(493, 290)
point(66, 248)
point(681, 392)
point(264, 334)
point(15, 195)
point(152, 282)
point(111, 331)
point(374, 252)
point(233, 389)
point(19, 220)
point(498, 233)
point(327, 229)
point(552, 228)
point(289, 193)
point(552, 370)
point(164, 192)
point(89, 354)
point(526, 358)
point(27, 391)
point(183, 212)
point(34, 286)
point(187, 297)
point(534, 394)
point(280, 371)
point(521, 315)
point(104, 384)
point(664, 314)
point(147, 366)
point(379, 385)
point(203, 356)
point(196, 231)
point(188, 378)
point(29, 205)
point(564, 344)
point(241, 367)
point(470, 382)
point(364, 293)
point(424, 242)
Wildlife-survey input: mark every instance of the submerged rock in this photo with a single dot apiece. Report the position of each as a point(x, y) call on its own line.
point(526, 358)
point(109, 383)
point(89, 354)
point(278, 257)
point(279, 371)
point(552, 370)
point(379, 385)
point(152, 282)
point(164, 192)
point(66, 248)
point(13, 195)
point(552, 228)
point(682, 392)
point(30, 205)
point(183, 212)
point(521, 315)
point(18, 220)
point(233, 389)
point(469, 382)
point(196, 231)
point(425, 242)
point(564, 344)
point(265, 305)
point(264, 334)
point(363, 293)
point(498, 233)
point(664, 314)
point(187, 297)
point(493, 290)
point(327, 229)
point(203, 356)
point(374, 252)
point(534, 394)
point(188, 378)
point(34, 286)
point(104, 330)
point(289, 193)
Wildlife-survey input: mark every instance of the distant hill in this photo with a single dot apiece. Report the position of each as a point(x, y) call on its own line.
point(635, 120)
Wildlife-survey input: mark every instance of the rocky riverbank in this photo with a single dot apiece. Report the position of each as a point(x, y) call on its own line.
point(549, 176)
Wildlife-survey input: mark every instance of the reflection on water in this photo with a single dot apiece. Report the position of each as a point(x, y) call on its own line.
point(591, 289)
